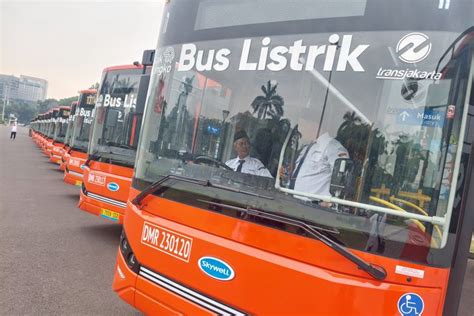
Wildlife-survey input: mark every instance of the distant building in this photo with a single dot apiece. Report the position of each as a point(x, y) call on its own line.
point(24, 88)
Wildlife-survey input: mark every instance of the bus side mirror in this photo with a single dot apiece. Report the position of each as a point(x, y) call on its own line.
point(343, 178)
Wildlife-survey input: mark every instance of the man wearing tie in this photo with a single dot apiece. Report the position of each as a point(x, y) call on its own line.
point(243, 162)
point(314, 165)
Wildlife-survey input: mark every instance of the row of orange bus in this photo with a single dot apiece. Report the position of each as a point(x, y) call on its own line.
point(284, 157)
point(98, 154)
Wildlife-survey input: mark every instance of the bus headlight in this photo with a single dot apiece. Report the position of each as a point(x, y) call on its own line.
point(128, 254)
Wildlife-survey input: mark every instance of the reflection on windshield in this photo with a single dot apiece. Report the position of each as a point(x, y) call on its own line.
point(115, 133)
point(82, 127)
point(384, 143)
point(60, 133)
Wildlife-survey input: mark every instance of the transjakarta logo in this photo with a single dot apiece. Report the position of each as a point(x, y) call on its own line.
point(216, 268)
point(413, 47)
point(297, 57)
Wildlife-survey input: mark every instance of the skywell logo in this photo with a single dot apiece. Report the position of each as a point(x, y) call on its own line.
point(414, 47)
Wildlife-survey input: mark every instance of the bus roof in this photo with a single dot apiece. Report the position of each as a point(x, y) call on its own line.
point(87, 91)
point(123, 67)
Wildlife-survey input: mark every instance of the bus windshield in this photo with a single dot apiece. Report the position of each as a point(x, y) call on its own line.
point(60, 131)
point(83, 121)
point(288, 115)
point(115, 129)
point(70, 123)
point(69, 127)
point(61, 125)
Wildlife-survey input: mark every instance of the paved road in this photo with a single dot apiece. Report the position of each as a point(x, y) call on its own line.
point(54, 258)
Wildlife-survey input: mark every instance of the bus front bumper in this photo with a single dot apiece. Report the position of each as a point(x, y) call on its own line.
point(132, 287)
point(124, 280)
point(101, 206)
point(55, 159)
point(72, 177)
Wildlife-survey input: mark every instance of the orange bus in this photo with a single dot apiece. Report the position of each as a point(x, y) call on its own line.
point(81, 129)
point(35, 126)
point(304, 157)
point(67, 137)
point(109, 168)
point(41, 129)
point(47, 143)
point(60, 128)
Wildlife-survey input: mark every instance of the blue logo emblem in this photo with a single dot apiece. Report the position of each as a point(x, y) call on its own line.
point(216, 268)
point(112, 186)
point(83, 167)
point(410, 304)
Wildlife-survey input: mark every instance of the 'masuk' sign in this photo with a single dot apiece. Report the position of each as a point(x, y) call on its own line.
point(421, 117)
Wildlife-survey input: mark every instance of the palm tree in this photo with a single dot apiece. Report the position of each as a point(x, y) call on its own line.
point(350, 119)
point(270, 103)
point(354, 135)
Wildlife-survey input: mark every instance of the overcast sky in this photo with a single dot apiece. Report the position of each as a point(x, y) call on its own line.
point(69, 42)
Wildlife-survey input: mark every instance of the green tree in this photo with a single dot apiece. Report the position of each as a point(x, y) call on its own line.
point(67, 101)
point(23, 111)
point(44, 106)
point(354, 135)
point(269, 103)
point(94, 86)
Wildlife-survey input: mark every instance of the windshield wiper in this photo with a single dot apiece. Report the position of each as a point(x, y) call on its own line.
point(376, 272)
point(152, 188)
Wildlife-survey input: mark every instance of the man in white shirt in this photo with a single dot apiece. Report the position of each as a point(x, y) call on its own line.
point(13, 131)
point(313, 168)
point(243, 162)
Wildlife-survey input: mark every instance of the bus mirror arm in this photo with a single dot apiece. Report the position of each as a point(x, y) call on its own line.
point(90, 158)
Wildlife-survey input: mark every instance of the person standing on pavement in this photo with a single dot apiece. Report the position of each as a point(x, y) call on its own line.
point(13, 131)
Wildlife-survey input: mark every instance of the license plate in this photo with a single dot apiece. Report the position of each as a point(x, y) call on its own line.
point(105, 213)
point(167, 241)
point(78, 183)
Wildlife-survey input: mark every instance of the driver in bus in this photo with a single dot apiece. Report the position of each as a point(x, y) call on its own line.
point(243, 162)
point(313, 168)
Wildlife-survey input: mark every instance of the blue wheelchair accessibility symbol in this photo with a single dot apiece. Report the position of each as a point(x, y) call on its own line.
point(410, 304)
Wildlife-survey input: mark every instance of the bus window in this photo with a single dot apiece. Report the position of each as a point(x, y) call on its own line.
point(115, 130)
point(397, 133)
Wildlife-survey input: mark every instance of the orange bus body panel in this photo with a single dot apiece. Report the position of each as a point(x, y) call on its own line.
point(56, 153)
point(97, 179)
point(64, 155)
point(73, 170)
point(276, 272)
point(47, 146)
